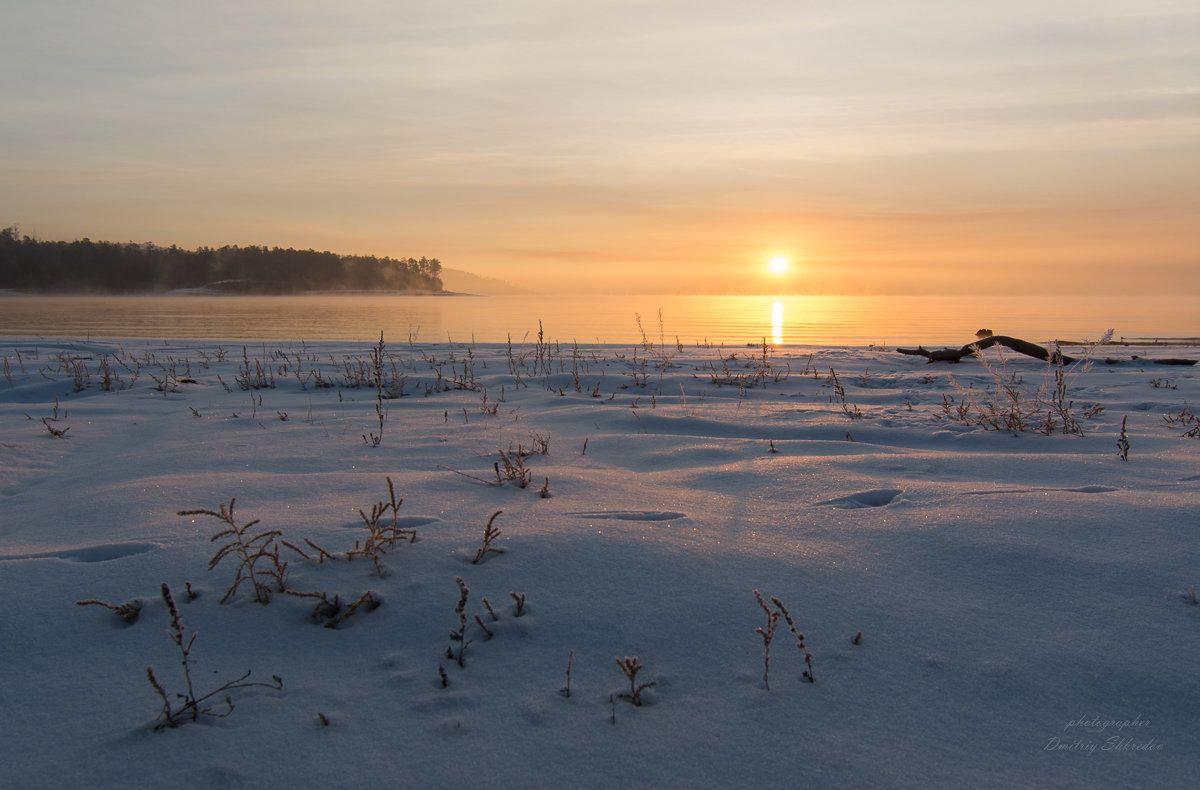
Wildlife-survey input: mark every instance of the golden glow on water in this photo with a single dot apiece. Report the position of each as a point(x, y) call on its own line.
point(777, 322)
point(715, 320)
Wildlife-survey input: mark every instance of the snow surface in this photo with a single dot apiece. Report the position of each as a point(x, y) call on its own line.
point(1022, 599)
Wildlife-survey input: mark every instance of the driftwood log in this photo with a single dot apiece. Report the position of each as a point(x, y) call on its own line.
point(1020, 346)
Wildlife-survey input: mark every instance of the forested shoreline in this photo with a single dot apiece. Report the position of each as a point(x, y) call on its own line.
point(29, 264)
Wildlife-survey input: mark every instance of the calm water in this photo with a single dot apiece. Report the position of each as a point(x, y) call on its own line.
point(799, 320)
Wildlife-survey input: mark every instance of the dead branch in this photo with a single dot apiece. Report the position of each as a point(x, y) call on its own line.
point(953, 355)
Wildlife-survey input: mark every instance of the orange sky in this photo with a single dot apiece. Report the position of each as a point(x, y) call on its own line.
point(930, 146)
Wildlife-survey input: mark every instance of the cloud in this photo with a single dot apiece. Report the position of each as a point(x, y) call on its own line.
point(644, 134)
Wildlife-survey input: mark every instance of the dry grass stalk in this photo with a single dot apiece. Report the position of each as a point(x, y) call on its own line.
point(773, 613)
point(331, 612)
point(848, 409)
point(381, 409)
point(514, 468)
point(490, 533)
point(57, 433)
point(128, 611)
point(787, 617)
point(249, 550)
point(322, 555)
point(367, 599)
point(459, 636)
point(191, 705)
point(630, 666)
point(1123, 441)
point(484, 628)
point(767, 632)
point(324, 610)
point(566, 690)
point(381, 538)
point(1185, 419)
point(1008, 404)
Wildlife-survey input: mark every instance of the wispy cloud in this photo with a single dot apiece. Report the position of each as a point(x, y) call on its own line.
point(493, 134)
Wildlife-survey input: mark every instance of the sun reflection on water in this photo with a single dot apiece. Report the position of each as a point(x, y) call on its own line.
point(687, 319)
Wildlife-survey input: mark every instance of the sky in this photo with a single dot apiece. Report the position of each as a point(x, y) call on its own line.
point(931, 146)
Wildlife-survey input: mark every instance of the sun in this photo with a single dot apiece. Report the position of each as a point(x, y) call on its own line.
point(778, 264)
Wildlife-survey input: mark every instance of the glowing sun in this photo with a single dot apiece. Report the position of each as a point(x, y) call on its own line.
point(778, 265)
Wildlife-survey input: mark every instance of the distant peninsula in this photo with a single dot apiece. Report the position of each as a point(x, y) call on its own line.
point(28, 264)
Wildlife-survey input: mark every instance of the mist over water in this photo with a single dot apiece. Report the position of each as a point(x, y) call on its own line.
point(729, 320)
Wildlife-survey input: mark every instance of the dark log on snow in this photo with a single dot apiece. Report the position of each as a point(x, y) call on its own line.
point(1020, 346)
point(956, 354)
point(1159, 361)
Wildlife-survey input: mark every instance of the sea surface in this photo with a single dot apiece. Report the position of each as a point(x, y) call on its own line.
point(724, 320)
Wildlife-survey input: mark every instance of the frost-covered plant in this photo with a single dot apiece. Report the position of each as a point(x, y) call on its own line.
point(1185, 419)
point(787, 617)
point(541, 445)
point(1009, 404)
point(170, 380)
point(256, 376)
point(514, 468)
point(1123, 442)
point(321, 554)
point(367, 599)
point(511, 466)
point(490, 533)
point(249, 550)
point(459, 635)
point(630, 667)
point(767, 632)
point(127, 611)
point(665, 352)
point(999, 408)
point(381, 538)
point(332, 612)
point(381, 409)
point(1060, 405)
point(57, 433)
point(839, 392)
point(566, 690)
point(482, 627)
point(191, 705)
point(757, 371)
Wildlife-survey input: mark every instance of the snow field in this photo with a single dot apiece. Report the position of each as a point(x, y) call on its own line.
point(1021, 597)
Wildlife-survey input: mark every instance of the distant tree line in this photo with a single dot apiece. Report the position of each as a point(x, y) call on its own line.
point(29, 264)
